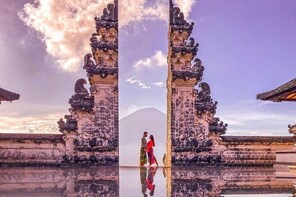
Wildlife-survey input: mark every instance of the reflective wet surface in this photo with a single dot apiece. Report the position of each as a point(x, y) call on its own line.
point(129, 182)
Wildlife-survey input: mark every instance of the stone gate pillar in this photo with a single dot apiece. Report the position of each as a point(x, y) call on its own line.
point(190, 111)
point(94, 113)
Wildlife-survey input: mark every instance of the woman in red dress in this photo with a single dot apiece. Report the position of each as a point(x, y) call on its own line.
point(150, 151)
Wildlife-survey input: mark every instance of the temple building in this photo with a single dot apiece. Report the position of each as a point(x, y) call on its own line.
point(6, 95)
point(285, 92)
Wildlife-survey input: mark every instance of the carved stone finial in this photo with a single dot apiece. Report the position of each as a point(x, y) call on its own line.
point(109, 18)
point(177, 19)
point(61, 124)
point(217, 127)
point(88, 62)
point(198, 68)
point(204, 102)
point(69, 125)
point(79, 87)
point(81, 100)
point(292, 129)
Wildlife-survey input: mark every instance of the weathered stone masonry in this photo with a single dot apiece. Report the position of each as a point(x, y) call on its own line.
point(31, 149)
point(92, 127)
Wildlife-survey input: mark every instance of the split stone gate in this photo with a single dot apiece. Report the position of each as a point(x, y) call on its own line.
point(90, 133)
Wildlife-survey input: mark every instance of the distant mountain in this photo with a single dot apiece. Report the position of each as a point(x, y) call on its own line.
point(131, 129)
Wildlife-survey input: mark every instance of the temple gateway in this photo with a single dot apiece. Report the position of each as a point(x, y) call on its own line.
point(89, 133)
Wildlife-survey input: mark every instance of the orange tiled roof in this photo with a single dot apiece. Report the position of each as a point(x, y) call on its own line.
point(285, 92)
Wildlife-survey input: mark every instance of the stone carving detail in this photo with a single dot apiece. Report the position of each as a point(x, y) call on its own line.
point(186, 47)
point(248, 156)
point(32, 155)
point(96, 113)
point(196, 158)
point(104, 43)
point(177, 20)
point(81, 100)
point(69, 125)
point(109, 18)
point(99, 134)
point(292, 129)
point(100, 68)
point(217, 127)
point(204, 103)
point(191, 136)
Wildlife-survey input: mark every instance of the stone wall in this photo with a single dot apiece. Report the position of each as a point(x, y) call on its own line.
point(254, 150)
point(31, 149)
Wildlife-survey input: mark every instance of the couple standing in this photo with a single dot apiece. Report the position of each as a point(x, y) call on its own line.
point(147, 149)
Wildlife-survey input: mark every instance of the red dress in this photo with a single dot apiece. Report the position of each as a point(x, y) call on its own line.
point(150, 178)
point(150, 152)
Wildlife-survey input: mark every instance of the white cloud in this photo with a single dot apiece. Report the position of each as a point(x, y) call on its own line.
point(30, 124)
point(66, 26)
point(158, 59)
point(159, 84)
point(138, 82)
point(254, 118)
point(136, 10)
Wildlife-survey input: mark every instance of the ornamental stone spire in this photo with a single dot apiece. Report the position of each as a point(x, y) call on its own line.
point(190, 111)
point(91, 131)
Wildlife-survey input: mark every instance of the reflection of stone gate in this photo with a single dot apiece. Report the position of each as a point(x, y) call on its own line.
point(104, 181)
point(220, 181)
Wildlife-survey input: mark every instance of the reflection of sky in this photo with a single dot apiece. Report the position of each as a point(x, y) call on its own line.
point(247, 47)
point(130, 184)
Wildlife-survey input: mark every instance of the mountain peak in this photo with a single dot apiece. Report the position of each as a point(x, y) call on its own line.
point(146, 111)
point(131, 130)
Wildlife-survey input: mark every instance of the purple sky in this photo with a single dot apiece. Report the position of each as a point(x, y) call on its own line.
point(247, 47)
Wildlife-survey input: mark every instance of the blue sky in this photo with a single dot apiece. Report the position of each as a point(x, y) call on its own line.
point(247, 47)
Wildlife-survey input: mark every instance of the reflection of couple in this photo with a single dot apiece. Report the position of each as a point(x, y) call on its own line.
point(147, 182)
point(147, 149)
